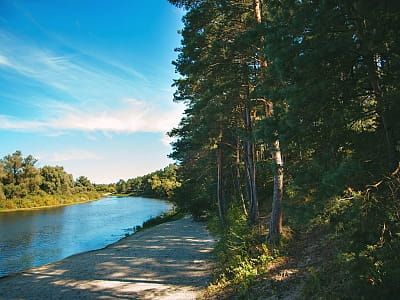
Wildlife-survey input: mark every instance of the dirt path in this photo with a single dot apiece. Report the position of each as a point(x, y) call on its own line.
point(169, 261)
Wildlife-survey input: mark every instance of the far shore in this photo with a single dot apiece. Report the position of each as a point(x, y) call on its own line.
point(45, 207)
point(6, 210)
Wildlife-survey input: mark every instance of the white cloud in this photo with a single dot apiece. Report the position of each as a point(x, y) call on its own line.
point(68, 155)
point(3, 60)
point(128, 116)
point(75, 74)
point(166, 140)
point(89, 95)
point(7, 122)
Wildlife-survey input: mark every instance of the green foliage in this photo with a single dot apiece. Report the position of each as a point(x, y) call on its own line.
point(105, 188)
point(83, 184)
point(45, 200)
point(242, 255)
point(366, 226)
point(22, 185)
point(164, 182)
point(2, 196)
point(120, 187)
point(55, 180)
point(165, 217)
point(195, 196)
point(332, 79)
point(158, 184)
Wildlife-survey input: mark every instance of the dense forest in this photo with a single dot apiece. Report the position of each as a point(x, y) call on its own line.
point(158, 184)
point(291, 132)
point(23, 185)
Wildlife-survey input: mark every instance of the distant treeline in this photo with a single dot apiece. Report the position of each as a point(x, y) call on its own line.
point(23, 185)
point(159, 184)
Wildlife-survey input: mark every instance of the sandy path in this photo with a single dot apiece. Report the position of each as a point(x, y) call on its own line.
point(169, 261)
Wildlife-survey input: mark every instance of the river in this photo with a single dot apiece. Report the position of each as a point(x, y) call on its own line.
point(36, 237)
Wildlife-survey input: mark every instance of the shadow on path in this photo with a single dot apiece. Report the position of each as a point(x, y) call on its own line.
point(169, 261)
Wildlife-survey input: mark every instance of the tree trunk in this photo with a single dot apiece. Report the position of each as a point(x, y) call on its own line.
point(251, 169)
point(258, 16)
point(393, 162)
point(387, 128)
point(276, 214)
point(275, 228)
point(252, 182)
point(220, 155)
point(238, 177)
point(257, 10)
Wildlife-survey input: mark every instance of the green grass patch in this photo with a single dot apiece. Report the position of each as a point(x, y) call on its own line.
point(169, 216)
point(242, 256)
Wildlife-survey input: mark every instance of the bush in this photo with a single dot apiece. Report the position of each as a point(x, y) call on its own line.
point(242, 256)
point(366, 226)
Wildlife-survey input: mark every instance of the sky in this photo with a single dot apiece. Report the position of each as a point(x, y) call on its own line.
point(86, 84)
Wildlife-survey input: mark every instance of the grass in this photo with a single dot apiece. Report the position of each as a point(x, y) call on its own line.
point(31, 202)
point(247, 266)
point(169, 216)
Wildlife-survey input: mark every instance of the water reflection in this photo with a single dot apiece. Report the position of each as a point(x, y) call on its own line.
point(36, 237)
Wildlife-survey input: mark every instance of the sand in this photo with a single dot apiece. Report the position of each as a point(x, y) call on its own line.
point(169, 261)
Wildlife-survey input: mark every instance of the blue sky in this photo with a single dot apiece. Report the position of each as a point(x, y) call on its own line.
point(86, 84)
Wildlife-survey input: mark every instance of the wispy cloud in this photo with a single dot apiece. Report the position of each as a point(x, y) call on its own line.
point(3, 60)
point(88, 96)
point(129, 116)
point(68, 155)
point(166, 140)
point(76, 74)
point(8, 122)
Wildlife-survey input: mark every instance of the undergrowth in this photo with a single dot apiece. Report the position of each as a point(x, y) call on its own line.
point(242, 255)
point(365, 225)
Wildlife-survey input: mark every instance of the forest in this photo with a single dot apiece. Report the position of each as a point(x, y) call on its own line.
point(23, 185)
point(158, 184)
point(292, 133)
point(289, 147)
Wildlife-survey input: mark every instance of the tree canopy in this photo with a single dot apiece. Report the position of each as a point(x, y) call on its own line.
point(308, 89)
point(158, 184)
point(20, 180)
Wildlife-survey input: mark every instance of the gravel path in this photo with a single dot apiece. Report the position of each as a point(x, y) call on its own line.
point(169, 261)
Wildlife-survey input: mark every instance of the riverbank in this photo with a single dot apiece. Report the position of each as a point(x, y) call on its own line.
point(168, 261)
point(58, 200)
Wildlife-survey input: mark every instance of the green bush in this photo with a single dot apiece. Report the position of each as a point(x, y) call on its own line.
point(366, 227)
point(242, 256)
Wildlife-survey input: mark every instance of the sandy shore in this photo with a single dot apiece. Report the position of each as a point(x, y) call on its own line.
point(169, 261)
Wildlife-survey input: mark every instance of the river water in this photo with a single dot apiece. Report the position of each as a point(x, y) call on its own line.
point(36, 237)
